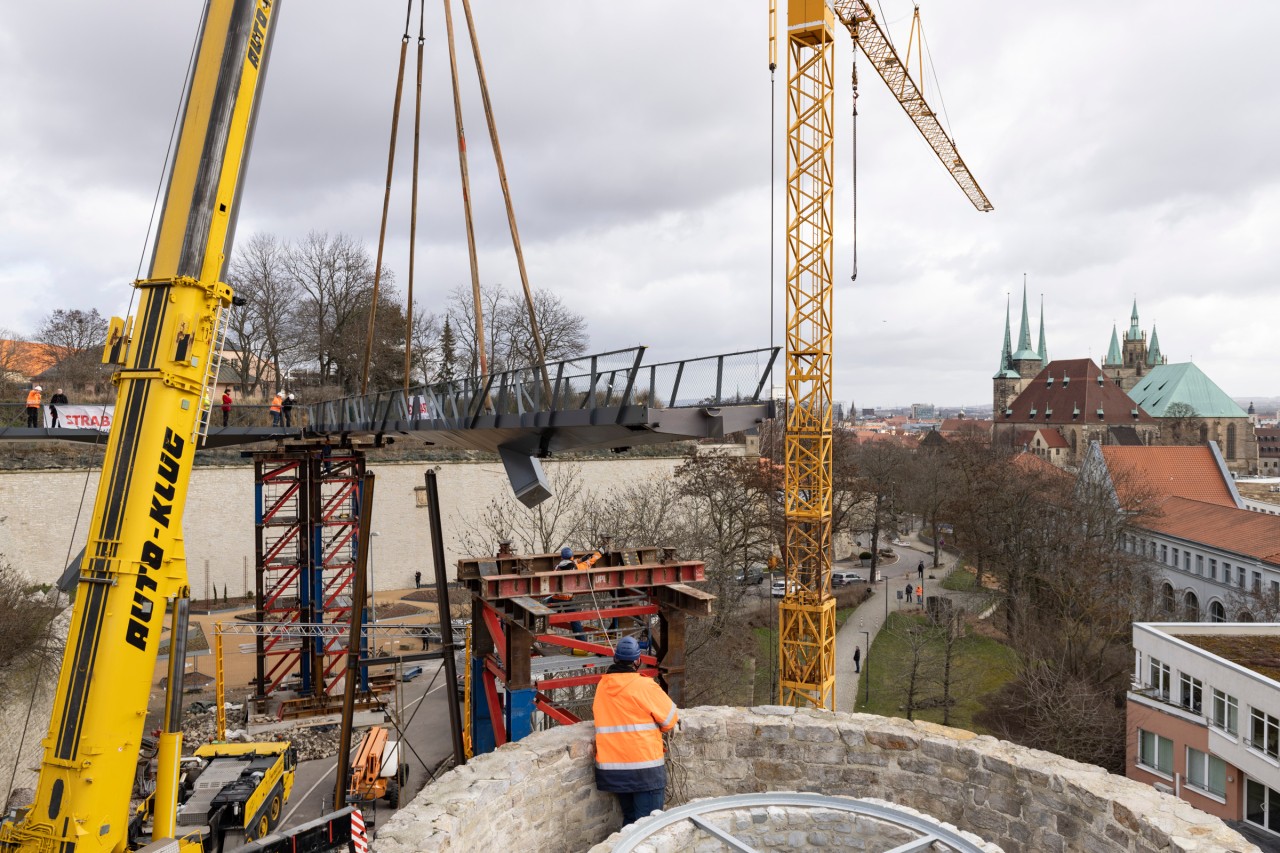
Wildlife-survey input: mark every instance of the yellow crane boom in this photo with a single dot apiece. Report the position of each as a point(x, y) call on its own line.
point(806, 615)
point(861, 22)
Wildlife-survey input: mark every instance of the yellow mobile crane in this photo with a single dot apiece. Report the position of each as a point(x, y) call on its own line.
point(134, 562)
point(807, 627)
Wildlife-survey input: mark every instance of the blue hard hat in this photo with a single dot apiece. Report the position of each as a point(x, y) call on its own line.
point(628, 650)
point(566, 553)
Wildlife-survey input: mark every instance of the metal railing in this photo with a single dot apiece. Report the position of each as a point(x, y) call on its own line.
point(611, 380)
point(241, 414)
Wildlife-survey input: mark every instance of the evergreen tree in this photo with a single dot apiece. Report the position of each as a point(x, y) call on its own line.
point(448, 349)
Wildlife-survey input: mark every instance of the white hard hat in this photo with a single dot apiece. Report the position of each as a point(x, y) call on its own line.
point(38, 388)
point(290, 396)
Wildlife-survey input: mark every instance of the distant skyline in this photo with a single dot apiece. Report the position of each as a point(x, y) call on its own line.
point(1123, 156)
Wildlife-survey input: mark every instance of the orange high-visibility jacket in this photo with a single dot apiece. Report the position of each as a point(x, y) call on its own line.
point(631, 713)
point(580, 565)
point(276, 402)
point(33, 399)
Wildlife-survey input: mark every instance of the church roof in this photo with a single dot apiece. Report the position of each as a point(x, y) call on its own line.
point(1114, 358)
point(1167, 384)
point(1194, 472)
point(1073, 391)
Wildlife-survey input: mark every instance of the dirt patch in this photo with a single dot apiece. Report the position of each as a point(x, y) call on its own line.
point(398, 610)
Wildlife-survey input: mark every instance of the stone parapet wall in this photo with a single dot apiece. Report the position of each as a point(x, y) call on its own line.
point(539, 795)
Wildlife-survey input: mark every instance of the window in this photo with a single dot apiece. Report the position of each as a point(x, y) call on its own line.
point(1159, 679)
point(1261, 805)
point(1226, 712)
point(1240, 576)
point(1175, 558)
point(1155, 752)
point(1199, 564)
point(1190, 607)
point(1164, 553)
point(1275, 592)
point(1216, 612)
point(1206, 772)
point(1186, 561)
point(1192, 692)
point(1265, 734)
point(1257, 582)
point(1213, 569)
point(1167, 601)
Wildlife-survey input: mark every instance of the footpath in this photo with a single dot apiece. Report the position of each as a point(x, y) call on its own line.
point(860, 629)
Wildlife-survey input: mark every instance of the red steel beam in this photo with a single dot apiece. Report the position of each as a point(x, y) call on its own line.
point(583, 680)
point(498, 587)
point(561, 716)
point(603, 613)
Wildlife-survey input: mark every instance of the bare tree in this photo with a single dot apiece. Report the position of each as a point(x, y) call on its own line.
point(72, 340)
point(1183, 423)
point(508, 335)
point(560, 520)
point(426, 347)
point(25, 616)
point(877, 465)
point(335, 275)
point(265, 330)
point(12, 364)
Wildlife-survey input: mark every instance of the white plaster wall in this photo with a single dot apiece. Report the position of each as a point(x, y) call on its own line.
point(39, 530)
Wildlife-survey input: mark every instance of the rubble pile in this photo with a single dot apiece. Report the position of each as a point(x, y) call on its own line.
point(311, 741)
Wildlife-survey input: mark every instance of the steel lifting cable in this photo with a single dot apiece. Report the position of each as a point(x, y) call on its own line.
point(773, 505)
point(854, 137)
point(539, 350)
point(386, 201)
point(413, 205)
point(482, 357)
point(97, 439)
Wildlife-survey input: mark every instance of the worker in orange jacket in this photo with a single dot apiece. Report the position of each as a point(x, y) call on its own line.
point(631, 712)
point(277, 407)
point(33, 406)
point(568, 563)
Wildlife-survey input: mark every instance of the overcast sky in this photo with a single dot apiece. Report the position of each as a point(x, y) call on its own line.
point(1129, 150)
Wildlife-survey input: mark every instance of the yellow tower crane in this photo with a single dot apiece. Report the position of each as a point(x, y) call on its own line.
point(807, 629)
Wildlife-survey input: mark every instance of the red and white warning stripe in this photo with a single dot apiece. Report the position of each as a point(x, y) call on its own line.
point(359, 839)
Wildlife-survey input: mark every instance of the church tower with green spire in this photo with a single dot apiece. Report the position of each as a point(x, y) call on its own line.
point(1135, 345)
point(1019, 367)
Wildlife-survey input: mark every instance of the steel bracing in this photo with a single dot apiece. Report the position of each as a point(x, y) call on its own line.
point(806, 630)
point(306, 522)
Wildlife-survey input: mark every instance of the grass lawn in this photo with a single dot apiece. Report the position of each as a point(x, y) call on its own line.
point(983, 666)
point(766, 651)
point(960, 580)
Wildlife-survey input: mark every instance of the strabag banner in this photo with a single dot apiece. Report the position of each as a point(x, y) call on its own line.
point(82, 417)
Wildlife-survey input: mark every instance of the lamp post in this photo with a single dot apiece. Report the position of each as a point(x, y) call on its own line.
point(866, 644)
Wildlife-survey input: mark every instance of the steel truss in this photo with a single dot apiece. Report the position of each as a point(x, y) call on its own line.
point(306, 523)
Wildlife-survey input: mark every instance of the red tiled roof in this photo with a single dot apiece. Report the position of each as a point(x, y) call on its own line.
point(1048, 438)
point(1253, 534)
point(28, 358)
point(1184, 472)
point(964, 425)
point(1069, 392)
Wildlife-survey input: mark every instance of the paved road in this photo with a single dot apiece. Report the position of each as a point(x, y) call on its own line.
point(860, 629)
point(428, 735)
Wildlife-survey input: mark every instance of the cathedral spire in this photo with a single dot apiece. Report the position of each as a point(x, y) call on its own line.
point(1025, 352)
point(1007, 352)
point(1044, 355)
point(1135, 334)
point(1153, 354)
point(1114, 358)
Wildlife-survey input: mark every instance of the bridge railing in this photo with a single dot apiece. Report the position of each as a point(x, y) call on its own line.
point(610, 380)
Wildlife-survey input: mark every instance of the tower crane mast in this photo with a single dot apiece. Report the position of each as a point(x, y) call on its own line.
point(806, 634)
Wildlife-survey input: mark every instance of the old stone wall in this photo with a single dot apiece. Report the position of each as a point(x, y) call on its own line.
point(39, 518)
point(538, 795)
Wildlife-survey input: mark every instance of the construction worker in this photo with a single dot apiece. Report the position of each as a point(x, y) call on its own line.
point(631, 712)
point(33, 406)
point(288, 409)
point(568, 564)
point(277, 407)
point(226, 405)
point(58, 399)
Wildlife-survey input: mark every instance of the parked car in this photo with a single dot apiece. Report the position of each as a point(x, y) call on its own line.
point(843, 578)
point(751, 575)
point(779, 589)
